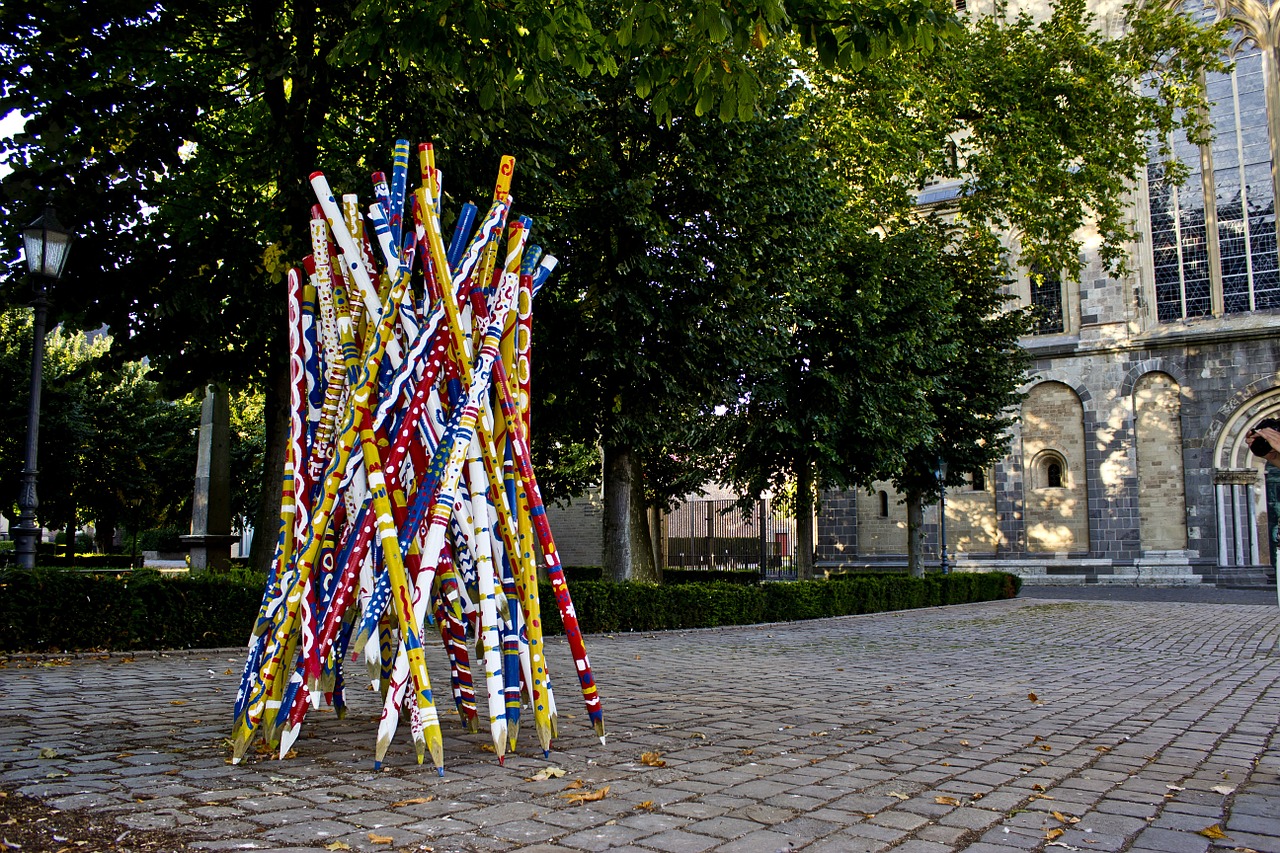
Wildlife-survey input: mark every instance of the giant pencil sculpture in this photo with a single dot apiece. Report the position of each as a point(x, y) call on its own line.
point(409, 497)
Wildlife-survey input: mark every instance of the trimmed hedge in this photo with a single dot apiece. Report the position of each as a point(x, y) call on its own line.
point(50, 609)
point(603, 606)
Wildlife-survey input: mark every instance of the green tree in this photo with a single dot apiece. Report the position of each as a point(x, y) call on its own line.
point(177, 138)
point(112, 450)
point(866, 345)
point(1043, 125)
point(248, 446)
point(975, 370)
point(683, 239)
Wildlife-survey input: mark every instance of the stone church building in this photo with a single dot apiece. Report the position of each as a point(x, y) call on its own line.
point(1128, 463)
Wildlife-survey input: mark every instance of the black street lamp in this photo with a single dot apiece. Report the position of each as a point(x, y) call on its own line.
point(46, 245)
point(941, 473)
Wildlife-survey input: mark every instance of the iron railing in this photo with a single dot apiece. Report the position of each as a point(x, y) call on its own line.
point(716, 534)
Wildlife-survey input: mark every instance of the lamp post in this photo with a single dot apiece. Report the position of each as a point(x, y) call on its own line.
point(46, 244)
point(941, 473)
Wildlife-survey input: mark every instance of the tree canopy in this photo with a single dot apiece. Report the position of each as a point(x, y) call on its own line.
point(113, 451)
point(177, 139)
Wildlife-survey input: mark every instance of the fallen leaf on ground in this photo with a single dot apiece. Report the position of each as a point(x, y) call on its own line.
point(1225, 789)
point(1068, 819)
point(1032, 697)
point(546, 773)
point(899, 795)
point(964, 743)
point(1046, 747)
point(1036, 738)
point(1175, 787)
point(1102, 748)
point(178, 702)
point(48, 752)
point(652, 759)
point(1214, 831)
point(1052, 834)
point(588, 797)
point(647, 805)
point(337, 845)
point(381, 839)
point(946, 801)
point(416, 801)
point(576, 783)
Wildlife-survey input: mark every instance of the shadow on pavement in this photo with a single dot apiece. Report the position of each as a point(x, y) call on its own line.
point(1186, 595)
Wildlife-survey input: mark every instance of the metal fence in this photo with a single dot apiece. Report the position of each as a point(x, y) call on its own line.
point(715, 534)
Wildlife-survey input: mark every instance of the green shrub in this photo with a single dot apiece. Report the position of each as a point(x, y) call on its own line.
point(161, 539)
point(583, 573)
point(67, 610)
point(53, 609)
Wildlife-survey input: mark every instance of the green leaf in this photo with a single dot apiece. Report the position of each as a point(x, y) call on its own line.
point(729, 105)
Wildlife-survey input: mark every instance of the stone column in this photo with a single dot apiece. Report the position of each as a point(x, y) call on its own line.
point(211, 537)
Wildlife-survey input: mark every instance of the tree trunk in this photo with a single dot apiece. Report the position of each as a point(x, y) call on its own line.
point(104, 534)
point(915, 534)
point(275, 413)
point(628, 548)
point(804, 522)
point(71, 537)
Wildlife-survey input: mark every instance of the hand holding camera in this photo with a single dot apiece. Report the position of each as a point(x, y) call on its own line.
point(1264, 440)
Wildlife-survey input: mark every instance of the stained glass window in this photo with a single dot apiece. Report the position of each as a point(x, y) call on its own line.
point(1046, 302)
point(1243, 206)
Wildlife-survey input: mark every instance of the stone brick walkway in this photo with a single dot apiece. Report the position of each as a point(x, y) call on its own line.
point(1032, 724)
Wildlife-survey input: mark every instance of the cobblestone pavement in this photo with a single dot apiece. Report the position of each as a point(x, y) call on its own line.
point(1031, 724)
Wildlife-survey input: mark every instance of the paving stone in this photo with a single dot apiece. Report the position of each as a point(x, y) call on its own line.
point(679, 841)
point(1172, 841)
point(1182, 695)
point(762, 841)
point(723, 827)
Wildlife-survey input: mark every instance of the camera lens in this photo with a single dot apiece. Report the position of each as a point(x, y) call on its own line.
point(1259, 446)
